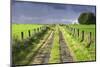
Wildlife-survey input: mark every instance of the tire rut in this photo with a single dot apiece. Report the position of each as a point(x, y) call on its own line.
point(43, 55)
point(65, 55)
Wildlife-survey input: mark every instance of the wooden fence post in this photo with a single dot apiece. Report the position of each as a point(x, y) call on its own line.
point(78, 32)
point(71, 30)
point(22, 35)
point(29, 33)
point(74, 32)
point(82, 36)
point(32, 31)
point(35, 30)
point(40, 28)
point(90, 38)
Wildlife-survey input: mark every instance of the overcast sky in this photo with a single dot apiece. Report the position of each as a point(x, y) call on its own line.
point(32, 12)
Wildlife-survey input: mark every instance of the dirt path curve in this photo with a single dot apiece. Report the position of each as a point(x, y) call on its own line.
point(65, 55)
point(43, 55)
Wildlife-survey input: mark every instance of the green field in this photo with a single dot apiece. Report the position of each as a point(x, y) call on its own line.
point(18, 28)
point(78, 48)
point(86, 28)
point(24, 54)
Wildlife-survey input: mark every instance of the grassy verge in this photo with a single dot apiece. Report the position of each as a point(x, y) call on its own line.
point(24, 56)
point(34, 50)
point(87, 29)
point(55, 56)
point(78, 50)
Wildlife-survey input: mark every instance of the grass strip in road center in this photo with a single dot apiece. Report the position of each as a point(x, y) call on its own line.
point(55, 53)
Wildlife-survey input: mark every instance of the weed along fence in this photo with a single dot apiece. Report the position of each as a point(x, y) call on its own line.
point(24, 46)
point(82, 35)
point(34, 32)
point(31, 35)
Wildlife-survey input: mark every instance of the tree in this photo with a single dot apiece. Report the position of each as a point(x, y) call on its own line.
point(87, 18)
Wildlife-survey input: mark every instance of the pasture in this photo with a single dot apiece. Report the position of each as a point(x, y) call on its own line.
point(53, 43)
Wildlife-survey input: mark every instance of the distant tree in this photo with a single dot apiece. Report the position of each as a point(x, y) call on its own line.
point(87, 18)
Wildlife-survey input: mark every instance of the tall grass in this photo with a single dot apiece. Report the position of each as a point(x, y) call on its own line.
point(80, 52)
point(23, 50)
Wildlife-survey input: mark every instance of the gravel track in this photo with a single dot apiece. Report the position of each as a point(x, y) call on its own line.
point(43, 55)
point(65, 55)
